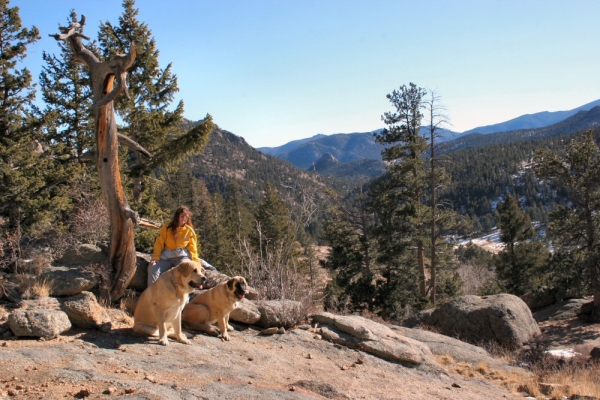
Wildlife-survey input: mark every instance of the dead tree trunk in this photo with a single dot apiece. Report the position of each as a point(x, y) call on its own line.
point(122, 258)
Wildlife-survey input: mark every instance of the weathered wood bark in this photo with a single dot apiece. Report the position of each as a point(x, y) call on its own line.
point(122, 258)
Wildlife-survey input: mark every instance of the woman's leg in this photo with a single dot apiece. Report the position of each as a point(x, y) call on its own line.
point(179, 260)
point(155, 270)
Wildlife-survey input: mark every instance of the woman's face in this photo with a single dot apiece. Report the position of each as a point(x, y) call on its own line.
point(183, 219)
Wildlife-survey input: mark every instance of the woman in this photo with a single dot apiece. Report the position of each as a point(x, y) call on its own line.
point(176, 243)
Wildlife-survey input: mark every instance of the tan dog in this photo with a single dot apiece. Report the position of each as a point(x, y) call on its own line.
point(158, 310)
point(213, 306)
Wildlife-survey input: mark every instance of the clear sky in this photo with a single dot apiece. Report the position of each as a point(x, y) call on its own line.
point(273, 71)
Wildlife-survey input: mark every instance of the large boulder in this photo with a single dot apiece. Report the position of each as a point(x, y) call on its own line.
point(85, 312)
point(78, 270)
point(501, 318)
point(246, 312)
point(82, 254)
point(70, 280)
point(279, 313)
point(40, 323)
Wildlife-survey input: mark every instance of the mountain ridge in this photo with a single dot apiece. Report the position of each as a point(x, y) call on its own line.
point(532, 121)
point(354, 147)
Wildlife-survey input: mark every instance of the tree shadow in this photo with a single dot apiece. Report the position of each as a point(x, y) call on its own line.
point(571, 332)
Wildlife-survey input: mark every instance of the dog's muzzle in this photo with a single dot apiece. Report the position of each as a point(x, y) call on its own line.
point(197, 285)
point(240, 292)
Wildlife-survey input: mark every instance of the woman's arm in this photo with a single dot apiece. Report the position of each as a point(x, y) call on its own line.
point(159, 244)
point(192, 246)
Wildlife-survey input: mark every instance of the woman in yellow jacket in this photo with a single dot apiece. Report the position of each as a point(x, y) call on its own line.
point(177, 242)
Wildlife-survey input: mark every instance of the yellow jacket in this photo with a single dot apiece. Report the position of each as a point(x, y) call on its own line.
point(186, 239)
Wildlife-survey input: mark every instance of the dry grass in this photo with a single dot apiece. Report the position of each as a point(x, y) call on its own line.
point(577, 376)
point(515, 382)
point(548, 376)
point(33, 287)
point(128, 302)
point(30, 283)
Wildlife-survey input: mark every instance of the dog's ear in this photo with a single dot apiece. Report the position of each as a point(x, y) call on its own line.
point(230, 284)
point(186, 268)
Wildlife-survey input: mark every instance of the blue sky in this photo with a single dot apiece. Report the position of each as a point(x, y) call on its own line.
point(273, 71)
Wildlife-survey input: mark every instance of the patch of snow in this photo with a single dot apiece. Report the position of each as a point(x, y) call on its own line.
point(563, 353)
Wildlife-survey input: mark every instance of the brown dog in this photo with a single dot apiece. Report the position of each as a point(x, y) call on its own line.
point(213, 306)
point(158, 310)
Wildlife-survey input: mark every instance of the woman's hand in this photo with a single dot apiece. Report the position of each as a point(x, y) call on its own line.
point(152, 263)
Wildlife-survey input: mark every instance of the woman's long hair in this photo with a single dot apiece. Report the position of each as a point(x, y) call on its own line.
point(181, 210)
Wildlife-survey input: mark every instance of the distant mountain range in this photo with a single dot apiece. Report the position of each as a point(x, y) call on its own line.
point(344, 147)
point(339, 153)
point(532, 121)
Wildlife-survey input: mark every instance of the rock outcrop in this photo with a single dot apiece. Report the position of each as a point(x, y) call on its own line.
point(373, 338)
point(501, 318)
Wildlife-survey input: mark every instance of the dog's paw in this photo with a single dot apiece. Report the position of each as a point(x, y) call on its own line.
point(224, 337)
point(164, 341)
point(183, 339)
point(230, 328)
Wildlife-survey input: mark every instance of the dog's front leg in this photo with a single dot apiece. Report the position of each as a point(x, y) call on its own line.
point(162, 333)
point(179, 335)
point(223, 328)
point(229, 327)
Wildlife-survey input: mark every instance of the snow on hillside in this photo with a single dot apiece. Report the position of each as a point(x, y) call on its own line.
point(490, 241)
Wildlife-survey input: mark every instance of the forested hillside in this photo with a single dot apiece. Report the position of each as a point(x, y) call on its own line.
point(229, 157)
point(483, 176)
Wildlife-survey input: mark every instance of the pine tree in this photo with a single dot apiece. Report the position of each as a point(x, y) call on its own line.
point(147, 116)
point(576, 227)
point(67, 94)
point(520, 266)
point(405, 157)
point(33, 194)
point(217, 249)
point(348, 231)
point(238, 216)
point(515, 226)
point(399, 284)
point(273, 220)
point(68, 127)
point(236, 224)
